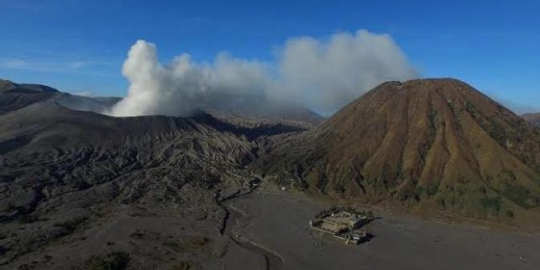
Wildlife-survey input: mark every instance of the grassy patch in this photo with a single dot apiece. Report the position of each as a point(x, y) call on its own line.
point(408, 194)
point(493, 204)
point(521, 196)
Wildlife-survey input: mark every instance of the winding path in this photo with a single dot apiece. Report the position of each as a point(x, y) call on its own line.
point(233, 222)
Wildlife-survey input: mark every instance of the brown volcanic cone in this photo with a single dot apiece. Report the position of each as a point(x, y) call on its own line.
point(435, 142)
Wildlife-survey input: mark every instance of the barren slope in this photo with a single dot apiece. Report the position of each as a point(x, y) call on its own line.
point(79, 188)
point(533, 118)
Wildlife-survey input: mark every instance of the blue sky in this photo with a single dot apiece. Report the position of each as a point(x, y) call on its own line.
point(79, 46)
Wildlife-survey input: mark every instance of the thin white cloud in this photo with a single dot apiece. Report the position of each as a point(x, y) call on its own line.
point(81, 67)
point(13, 64)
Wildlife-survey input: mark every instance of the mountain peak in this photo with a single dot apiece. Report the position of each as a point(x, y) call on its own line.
point(6, 84)
point(426, 85)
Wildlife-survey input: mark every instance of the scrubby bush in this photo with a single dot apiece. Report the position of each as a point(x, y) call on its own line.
point(26, 218)
point(183, 265)
point(491, 203)
point(112, 261)
point(369, 214)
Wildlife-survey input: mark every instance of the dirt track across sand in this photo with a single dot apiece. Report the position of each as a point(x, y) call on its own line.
point(272, 260)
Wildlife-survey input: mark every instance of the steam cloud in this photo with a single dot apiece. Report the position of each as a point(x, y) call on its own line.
point(321, 74)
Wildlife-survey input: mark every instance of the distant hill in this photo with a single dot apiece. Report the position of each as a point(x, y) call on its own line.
point(246, 113)
point(261, 114)
point(88, 104)
point(533, 118)
point(433, 144)
point(14, 96)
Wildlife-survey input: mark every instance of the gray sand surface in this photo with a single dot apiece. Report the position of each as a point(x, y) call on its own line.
point(279, 222)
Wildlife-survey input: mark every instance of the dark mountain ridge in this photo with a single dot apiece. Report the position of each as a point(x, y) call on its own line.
point(65, 171)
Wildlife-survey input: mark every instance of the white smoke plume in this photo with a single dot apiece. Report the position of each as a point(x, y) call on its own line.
point(182, 86)
point(327, 75)
point(320, 74)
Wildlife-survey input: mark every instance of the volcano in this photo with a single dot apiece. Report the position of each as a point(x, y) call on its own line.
point(431, 143)
point(65, 173)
